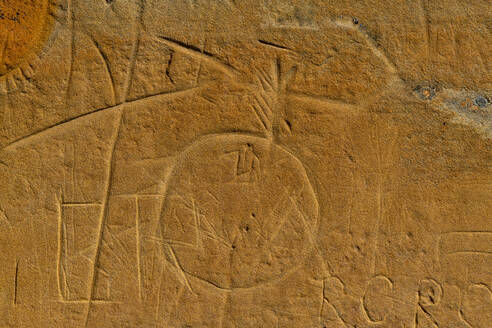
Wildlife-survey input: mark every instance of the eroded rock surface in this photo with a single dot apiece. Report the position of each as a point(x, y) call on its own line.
point(244, 163)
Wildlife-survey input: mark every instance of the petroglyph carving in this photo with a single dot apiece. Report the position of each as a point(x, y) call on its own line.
point(476, 308)
point(248, 164)
point(251, 239)
point(282, 163)
point(377, 300)
point(429, 295)
point(466, 243)
point(341, 307)
point(76, 250)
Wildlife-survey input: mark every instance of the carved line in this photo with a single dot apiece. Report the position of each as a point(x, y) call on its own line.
point(171, 242)
point(427, 313)
point(103, 216)
point(64, 270)
point(80, 204)
point(468, 232)
point(274, 45)
point(4, 45)
point(168, 67)
point(137, 237)
point(139, 195)
point(380, 200)
point(426, 22)
point(71, 23)
point(339, 315)
point(5, 218)
point(136, 45)
point(462, 317)
point(107, 67)
point(196, 219)
point(200, 55)
point(197, 142)
point(16, 281)
point(322, 99)
point(229, 290)
point(263, 102)
point(158, 300)
point(469, 252)
point(87, 301)
point(59, 254)
point(363, 302)
point(349, 25)
point(266, 82)
point(260, 116)
point(285, 215)
point(327, 268)
point(180, 268)
point(166, 94)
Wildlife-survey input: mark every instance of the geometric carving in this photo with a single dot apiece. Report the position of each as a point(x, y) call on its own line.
point(76, 251)
point(237, 221)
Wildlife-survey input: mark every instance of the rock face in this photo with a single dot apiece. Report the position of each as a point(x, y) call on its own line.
point(244, 163)
point(239, 212)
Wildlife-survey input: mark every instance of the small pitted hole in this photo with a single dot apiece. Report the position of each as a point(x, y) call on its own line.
point(355, 20)
point(246, 228)
point(481, 101)
point(233, 246)
point(253, 214)
point(443, 123)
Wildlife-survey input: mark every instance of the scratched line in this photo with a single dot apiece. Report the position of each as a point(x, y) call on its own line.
point(349, 25)
point(59, 244)
point(167, 94)
point(198, 54)
point(137, 237)
point(471, 252)
point(16, 280)
point(380, 201)
point(103, 218)
point(179, 268)
point(107, 67)
point(71, 23)
point(274, 45)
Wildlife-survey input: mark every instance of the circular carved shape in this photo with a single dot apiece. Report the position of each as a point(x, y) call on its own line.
point(239, 211)
point(24, 26)
point(430, 292)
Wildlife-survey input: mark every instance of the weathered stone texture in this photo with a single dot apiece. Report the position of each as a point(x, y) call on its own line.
point(246, 163)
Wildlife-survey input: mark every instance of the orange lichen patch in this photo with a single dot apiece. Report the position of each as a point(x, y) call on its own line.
point(469, 104)
point(23, 27)
point(427, 94)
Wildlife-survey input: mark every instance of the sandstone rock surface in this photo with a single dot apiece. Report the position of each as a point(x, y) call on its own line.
point(246, 163)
